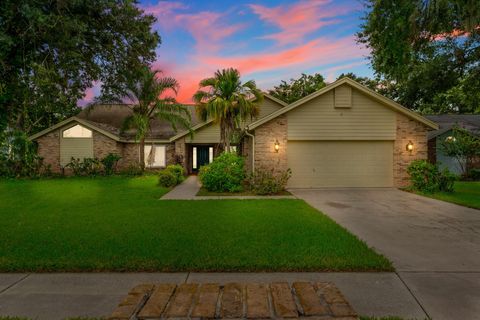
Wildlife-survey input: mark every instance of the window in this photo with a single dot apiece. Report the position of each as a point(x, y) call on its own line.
point(210, 154)
point(155, 156)
point(194, 158)
point(77, 131)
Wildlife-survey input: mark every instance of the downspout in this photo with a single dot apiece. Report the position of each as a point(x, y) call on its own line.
point(253, 149)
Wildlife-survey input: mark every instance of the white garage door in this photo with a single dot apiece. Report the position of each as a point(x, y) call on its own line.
point(317, 164)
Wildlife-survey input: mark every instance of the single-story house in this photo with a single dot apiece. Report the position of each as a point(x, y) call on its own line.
point(344, 135)
point(446, 122)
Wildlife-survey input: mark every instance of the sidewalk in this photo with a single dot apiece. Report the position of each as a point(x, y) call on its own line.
point(59, 295)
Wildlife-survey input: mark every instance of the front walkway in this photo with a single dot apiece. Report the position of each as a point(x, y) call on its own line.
point(434, 245)
point(188, 190)
point(55, 296)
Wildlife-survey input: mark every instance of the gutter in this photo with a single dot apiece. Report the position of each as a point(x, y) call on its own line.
point(253, 149)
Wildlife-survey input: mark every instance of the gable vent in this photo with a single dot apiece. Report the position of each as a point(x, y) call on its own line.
point(343, 97)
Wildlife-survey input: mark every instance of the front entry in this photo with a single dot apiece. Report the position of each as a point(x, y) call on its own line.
point(201, 155)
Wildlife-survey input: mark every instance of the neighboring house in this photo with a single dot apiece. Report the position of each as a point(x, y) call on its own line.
point(344, 135)
point(446, 122)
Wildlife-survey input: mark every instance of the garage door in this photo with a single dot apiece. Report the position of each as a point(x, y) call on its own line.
point(340, 163)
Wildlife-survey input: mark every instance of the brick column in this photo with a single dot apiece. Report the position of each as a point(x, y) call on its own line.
point(266, 158)
point(408, 130)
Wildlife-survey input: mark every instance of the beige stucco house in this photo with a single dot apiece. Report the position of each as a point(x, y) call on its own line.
point(344, 135)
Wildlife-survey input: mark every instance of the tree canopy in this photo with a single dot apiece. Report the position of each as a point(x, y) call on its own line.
point(228, 101)
point(52, 51)
point(428, 50)
point(296, 89)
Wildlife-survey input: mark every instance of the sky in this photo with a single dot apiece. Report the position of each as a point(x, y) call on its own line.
point(267, 41)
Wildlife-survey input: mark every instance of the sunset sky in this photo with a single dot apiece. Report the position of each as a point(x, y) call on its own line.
point(265, 40)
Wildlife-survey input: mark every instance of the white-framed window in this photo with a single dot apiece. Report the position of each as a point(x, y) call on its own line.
point(210, 154)
point(155, 156)
point(77, 131)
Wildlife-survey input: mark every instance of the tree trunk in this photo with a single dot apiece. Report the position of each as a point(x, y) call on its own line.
point(142, 153)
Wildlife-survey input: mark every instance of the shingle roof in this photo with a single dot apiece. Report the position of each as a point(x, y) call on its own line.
point(111, 117)
point(446, 122)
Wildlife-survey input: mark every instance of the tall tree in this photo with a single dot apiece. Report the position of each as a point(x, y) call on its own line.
point(430, 51)
point(150, 98)
point(296, 89)
point(51, 51)
point(382, 86)
point(228, 101)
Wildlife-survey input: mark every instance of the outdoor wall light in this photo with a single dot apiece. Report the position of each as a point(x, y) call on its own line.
point(410, 146)
point(277, 146)
point(450, 139)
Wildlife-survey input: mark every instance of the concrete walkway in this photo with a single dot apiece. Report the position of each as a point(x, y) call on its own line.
point(60, 295)
point(434, 245)
point(188, 189)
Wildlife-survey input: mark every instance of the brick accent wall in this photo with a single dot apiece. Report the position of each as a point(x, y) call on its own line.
point(180, 151)
point(170, 153)
point(265, 136)
point(103, 145)
point(247, 153)
point(49, 150)
point(408, 130)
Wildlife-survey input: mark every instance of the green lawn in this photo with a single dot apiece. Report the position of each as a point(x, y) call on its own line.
point(466, 194)
point(118, 224)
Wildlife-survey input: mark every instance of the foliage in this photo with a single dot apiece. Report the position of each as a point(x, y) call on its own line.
point(167, 178)
point(463, 146)
point(85, 167)
point(150, 97)
point(171, 176)
point(296, 89)
point(132, 170)
point(266, 182)
point(52, 51)
point(426, 177)
point(178, 171)
point(474, 174)
point(467, 193)
point(118, 224)
point(110, 163)
point(18, 156)
point(225, 173)
point(428, 50)
point(228, 101)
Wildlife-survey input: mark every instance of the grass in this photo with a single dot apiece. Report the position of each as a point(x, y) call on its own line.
point(118, 224)
point(205, 193)
point(466, 193)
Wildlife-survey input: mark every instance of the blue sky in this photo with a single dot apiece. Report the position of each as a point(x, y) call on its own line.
point(267, 41)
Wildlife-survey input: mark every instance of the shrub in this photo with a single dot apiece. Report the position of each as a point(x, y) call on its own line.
point(110, 163)
point(132, 170)
point(167, 178)
point(474, 174)
point(85, 167)
point(426, 177)
point(178, 171)
point(263, 182)
point(225, 173)
point(18, 156)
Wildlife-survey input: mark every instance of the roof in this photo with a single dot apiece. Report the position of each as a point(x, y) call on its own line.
point(109, 118)
point(376, 96)
point(470, 122)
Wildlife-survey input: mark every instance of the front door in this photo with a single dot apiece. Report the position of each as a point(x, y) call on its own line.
point(201, 156)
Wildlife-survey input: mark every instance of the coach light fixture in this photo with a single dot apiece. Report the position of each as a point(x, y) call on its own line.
point(277, 146)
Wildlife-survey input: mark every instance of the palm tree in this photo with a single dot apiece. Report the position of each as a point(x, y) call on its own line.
point(228, 101)
point(149, 95)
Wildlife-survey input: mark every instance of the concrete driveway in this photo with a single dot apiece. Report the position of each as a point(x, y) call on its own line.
point(434, 245)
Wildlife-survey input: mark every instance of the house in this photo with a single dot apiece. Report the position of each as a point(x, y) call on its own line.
point(446, 122)
point(344, 135)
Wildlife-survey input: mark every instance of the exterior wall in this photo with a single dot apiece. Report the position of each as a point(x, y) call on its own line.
point(247, 153)
point(432, 150)
point(130, 153)
point(103, 145)
point(408, 130)
point(170, 154)
point(265, 136)
point(318, 119)
point(49, 150)
point(180, 152)
point(268, 106)
point(343, 97)
point(207, 134)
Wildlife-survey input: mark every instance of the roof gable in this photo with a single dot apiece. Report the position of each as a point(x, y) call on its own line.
point(370, 93)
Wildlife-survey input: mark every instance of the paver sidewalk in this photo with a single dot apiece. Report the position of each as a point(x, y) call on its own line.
point(235, 300)
point(56, 296)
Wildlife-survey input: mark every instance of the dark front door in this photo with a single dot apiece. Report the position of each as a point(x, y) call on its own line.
point(202, 156)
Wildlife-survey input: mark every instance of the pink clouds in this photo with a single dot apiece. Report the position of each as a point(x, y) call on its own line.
point(297, 20)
